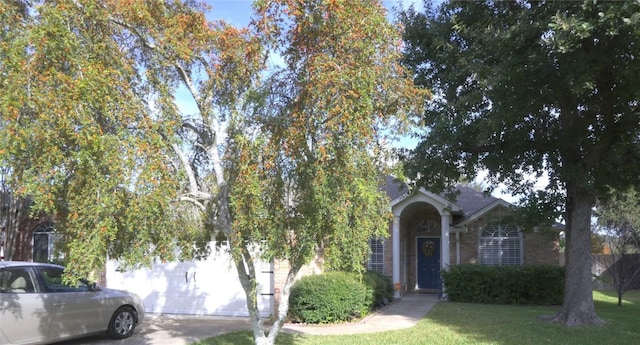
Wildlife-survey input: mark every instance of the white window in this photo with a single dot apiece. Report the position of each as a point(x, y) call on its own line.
point(376, 255)
point(44, 239)
point(500, 245)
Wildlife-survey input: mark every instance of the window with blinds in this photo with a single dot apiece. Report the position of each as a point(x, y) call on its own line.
point(500, 245)
point(376, 255)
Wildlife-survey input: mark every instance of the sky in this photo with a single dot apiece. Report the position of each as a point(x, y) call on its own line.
point(238, 13)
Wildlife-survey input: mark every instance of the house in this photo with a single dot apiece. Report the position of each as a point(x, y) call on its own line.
point(429, 232)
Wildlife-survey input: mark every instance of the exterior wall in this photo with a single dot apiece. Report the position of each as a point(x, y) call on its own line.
point(388, 253)
point(281, 269)
point(539, 247)
point(23, 250)
point(468, 246)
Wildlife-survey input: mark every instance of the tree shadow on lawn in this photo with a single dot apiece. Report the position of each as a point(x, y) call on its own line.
point(466, 323)
point(500, 324)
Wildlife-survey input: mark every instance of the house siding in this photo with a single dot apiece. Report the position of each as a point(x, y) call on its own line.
point(281, 270)
point(23, 250)
point(539, 247)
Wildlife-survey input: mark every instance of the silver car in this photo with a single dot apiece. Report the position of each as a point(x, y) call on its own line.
point(37, 308)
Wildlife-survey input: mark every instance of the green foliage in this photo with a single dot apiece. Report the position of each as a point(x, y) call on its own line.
point(381, 287)
point(525, 89)
point(619, 214)
point(502, 104)
point(531, 285)
point(619, 232)
point(330, 297)
point(93, 124)
point(89, 128)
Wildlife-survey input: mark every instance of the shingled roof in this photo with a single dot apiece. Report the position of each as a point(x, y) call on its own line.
point(471, 200)
point(468, 199)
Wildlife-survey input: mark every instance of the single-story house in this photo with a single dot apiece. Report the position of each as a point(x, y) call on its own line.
point(428, 233)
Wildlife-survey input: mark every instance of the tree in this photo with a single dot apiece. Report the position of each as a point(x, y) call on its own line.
point(13, 210)
point(281, 162)
point(522, 88)
point(619, 229)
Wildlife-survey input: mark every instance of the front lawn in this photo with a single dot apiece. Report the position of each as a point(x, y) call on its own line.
point(462, 323)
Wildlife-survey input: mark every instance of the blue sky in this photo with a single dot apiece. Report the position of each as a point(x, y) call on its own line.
point(238, 12)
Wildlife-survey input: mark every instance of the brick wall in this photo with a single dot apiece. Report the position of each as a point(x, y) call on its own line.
point(281, 269)
point(24, 241)
point(468, 246)
point(539, 247)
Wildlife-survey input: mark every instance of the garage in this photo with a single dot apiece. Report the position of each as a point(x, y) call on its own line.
point(208, 287)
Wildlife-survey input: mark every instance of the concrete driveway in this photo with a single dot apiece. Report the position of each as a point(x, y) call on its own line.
point(172, 330)
point(185, 329)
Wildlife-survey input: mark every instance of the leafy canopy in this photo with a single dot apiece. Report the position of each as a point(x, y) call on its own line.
point(89, 118)
point(527, 88)
point(522, 88)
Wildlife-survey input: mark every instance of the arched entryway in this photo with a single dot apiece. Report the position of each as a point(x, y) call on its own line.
point(420, 241)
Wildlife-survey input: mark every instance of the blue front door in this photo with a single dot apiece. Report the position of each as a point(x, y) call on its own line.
point(428, 263)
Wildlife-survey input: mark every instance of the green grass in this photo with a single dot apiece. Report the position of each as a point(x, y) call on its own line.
point(462, 323)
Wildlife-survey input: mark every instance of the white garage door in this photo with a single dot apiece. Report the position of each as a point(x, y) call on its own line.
point(209, 287)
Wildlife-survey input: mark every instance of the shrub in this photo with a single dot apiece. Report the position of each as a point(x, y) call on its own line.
point(381, 288)
point(532, 285)
point(329, 298)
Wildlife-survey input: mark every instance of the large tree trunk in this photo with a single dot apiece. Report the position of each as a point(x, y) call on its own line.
point(247, 276)
point(577, 307)
point(12, 211)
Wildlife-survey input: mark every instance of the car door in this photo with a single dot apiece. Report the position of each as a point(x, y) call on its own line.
point(76, 309)
point(24, 317)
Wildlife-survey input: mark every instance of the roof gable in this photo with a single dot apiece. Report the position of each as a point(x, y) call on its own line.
point(466, 201)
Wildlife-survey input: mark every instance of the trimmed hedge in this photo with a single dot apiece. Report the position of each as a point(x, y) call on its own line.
point(329, 298)
point(528, 285)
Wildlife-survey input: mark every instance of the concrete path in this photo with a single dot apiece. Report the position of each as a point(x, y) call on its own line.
point(185, 329)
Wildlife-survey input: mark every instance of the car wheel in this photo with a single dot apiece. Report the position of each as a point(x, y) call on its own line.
point(122, 323)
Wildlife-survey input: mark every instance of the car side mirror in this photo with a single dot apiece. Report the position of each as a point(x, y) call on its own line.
point(94, 286)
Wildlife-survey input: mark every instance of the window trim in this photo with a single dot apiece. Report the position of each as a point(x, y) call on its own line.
point(376, 250)
point(500, 234)
point(45, 229)
point(32, 284)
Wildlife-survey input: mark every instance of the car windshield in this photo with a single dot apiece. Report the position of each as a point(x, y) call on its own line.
point(52, 277)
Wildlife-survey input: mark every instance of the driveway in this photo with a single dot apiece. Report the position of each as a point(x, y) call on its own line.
point(172, 330)
point(185, 329)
